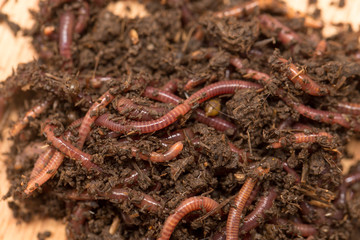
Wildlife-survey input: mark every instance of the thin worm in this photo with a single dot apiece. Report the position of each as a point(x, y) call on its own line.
point(240, 152)
point(172, 153)
point(42, 161)
point(91, 115)
point(30, 115)
point(303, 80)
point(185, 207)
point(193, 82)
point(46, 173)
point(142, 113)
point(253, 220)
point(284, 34)
point(320, 115)
point(171, 86)
point(352, 178)
point(75, 226)
point(350, 108)
point(285, 124)
point(69, 150)
point(83, 17)
point(233, 221)
point(301, 229)
point(252, 196)
point(291, 171)
point(219, 88)
point(66, 29)
point(238, 10)
point(166, 97)
point(302, 138)
point(179, 135)
point(320, 48)
point(301, 126)
point(120, 194)
point(250, 73)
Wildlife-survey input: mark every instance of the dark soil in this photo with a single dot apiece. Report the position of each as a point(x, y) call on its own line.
point(175, 41)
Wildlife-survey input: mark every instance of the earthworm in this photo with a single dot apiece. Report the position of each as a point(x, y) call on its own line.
point(172, 153)
point(91, 115)
point(284, 34)
point(69, 150)
point(185, 207)
point(170, 86)
point(161, 95)
point(223, 87)
point(350, 108)
point(30, 115)
point(139, 199)
point(212, 107)
point(193, 82)
point(303, 80)
point(252, 220)
point(252, 196)
point(218, 123)
point(320, 48)
point(301, 229)
point(291, 171)
point(233, 221)
point(46, 173)
point(285, 124)
point(97, 81)
point(322, 116)
point(250, 73)
point(83, 17)
point(240, 152)
point(41, 162)
point(166, 97)
point(179, 135)
point(300, 126)
point(238, 10)
point(302, 138)
point(75, 226)
point(352, 178)
point(66, 29)
point(133, 111)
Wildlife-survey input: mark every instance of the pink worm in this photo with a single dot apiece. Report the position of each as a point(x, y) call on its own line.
point(66, 29)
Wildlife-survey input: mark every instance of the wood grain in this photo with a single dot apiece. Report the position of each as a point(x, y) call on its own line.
point(15, 50)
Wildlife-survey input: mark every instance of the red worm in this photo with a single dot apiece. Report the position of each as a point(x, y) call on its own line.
point(42, 161)
point(30, 115)
point(240, 152)
point(320, 115)
point(303, 80)
point(69, 150)
point(139, 199)
point(180, 135)
point(171, 86)
point(83, 17)
point(250, 73)
point(75, 225)
point(350, 108)
point(302, 138)
point(252, 196)
point(253, 220)
point(291, 171)
point(238, 10)
point(193, 83)
point(172, 153)
point(300, 126)
point(218, 123)
point(320, 48)
point(301, 229)
point(66, 29)
point(161, 95)
point(233, 221)
point(46, 173)
point(91, 115)
point(185, 207)
point(215, 122)
point(352, 178)
point(284, 34)
point(133, 111)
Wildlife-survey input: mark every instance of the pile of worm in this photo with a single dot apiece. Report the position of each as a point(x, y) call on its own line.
point(198, 120)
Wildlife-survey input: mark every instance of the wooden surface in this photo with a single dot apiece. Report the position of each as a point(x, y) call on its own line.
point(18, 49)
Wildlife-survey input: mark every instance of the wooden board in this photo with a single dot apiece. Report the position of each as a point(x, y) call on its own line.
point(15, 50)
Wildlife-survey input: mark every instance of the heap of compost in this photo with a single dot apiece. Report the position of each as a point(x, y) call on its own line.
point(200, 120)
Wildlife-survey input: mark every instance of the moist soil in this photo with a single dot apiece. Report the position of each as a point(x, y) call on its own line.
point(174, 41)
